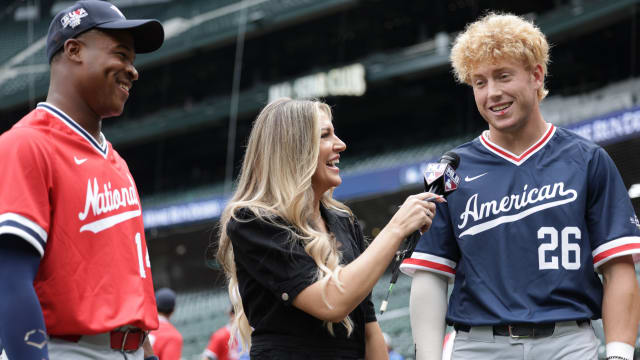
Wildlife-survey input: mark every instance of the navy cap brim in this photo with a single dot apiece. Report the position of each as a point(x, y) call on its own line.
point(148, 34)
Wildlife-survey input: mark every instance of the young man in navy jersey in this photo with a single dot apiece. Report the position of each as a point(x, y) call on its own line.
point(540, 214)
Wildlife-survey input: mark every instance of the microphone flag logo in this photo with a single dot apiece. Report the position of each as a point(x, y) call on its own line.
point(451, 180)
point(434, 172)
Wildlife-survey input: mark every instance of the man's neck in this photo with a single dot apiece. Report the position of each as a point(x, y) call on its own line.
point(519, 140)
point(79, 112)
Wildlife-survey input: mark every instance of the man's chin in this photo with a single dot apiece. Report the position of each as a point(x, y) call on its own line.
point(113, 113)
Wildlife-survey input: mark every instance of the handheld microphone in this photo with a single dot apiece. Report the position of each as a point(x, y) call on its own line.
point(440, 179)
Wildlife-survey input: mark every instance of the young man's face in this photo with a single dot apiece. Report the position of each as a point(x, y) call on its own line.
point(107, 70)
point(506, 93)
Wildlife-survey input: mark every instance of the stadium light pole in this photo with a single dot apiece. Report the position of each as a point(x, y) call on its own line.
point(634, 39)
point(34, 4)
point(235, 89)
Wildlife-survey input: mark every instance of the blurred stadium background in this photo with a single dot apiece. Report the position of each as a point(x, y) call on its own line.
point(383, 67)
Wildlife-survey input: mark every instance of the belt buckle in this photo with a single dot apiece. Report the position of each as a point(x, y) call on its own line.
point(124, 339)
point(143, 337)
point(513, 336)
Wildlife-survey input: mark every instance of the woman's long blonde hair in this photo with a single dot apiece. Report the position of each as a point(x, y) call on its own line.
point(275, 182)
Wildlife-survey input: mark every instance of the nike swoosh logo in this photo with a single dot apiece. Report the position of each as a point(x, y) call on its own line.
point(469, 179)
point(79, 161)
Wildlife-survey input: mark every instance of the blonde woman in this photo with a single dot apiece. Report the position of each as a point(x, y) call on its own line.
point(300, 274)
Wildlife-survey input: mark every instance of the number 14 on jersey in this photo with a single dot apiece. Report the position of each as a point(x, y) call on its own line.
point(141, 262)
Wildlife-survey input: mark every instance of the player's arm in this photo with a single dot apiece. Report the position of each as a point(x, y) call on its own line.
point(427, 308)
point(612, 237)
point(620, 306)
point(23, 330)
point(375, 347)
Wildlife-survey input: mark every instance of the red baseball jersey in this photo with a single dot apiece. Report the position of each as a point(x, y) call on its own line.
point(166, 341)
point(218, 347)
point(75, 201)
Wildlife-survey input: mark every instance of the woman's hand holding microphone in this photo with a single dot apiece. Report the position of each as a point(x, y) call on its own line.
point(416, 213)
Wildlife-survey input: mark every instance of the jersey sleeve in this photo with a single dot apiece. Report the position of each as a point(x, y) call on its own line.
point(267, 252)
point(437, 249)
point(612, 222)
point(25, 185)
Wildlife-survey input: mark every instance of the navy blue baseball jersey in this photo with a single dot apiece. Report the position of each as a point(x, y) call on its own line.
point(523, 236)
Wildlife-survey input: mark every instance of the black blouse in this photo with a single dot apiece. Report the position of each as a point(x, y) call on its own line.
point(272, 270)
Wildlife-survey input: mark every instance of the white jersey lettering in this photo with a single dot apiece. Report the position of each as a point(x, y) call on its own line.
point(474, 212)
point(107, 201)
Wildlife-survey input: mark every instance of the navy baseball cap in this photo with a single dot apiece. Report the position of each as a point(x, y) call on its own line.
point(165, 300)
point(82, 16)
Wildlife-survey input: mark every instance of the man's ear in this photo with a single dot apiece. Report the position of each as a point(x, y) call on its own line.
point(72, 49)
point(538, 75)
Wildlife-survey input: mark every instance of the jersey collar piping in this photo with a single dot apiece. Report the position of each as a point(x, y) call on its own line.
point(513, 158)
point(103, 150)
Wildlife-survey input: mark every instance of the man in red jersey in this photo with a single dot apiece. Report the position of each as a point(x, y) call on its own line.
point(75, 279)
point(218, 347)
point(166, 341)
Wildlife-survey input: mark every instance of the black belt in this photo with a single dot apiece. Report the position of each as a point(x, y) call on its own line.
point(520, 330)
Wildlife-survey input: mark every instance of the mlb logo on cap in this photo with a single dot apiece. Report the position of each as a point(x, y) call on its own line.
point(85, 15)
point(73, 18)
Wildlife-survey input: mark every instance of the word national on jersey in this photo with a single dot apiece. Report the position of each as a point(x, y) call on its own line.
point(107, 201)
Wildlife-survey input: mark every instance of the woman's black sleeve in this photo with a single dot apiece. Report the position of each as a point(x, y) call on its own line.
point(270, 256)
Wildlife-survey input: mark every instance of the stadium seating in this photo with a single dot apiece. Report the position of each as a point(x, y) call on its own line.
point(199, 313)
point(560, 110)
point(564, 110)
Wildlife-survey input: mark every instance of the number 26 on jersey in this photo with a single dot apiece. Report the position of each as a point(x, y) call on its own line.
point(569, 251)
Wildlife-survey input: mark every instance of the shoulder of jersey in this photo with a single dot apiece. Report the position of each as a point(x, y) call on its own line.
point(572, 136)
point(467, 147)
point(22, 135)
point(37, 124)
point(578, 142)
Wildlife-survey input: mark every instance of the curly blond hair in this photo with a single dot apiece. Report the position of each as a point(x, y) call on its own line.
point(495, 37)
point(275, 182)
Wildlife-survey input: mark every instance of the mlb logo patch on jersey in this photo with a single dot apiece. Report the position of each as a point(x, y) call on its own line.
point(73, 18)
